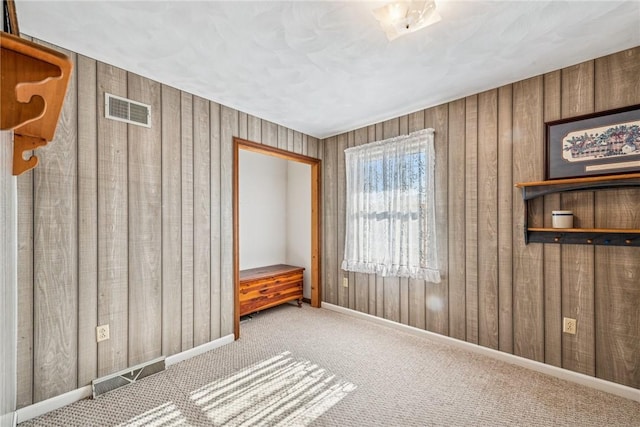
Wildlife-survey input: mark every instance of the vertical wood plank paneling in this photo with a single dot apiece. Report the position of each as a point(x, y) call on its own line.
point(343, 292)
point(290, 140)
point(228, 129)
point(617, 272)
point(552, 260)
point(416, 288)
point(113, 272)
point(330, 224)
point(528, 315)
point(305, 144)
point(351, 275)
point(373, 294)
point(201, 222)
point(456, 219)
point(269, 133)
point(313, 147)
point(471, 216)
point(617, 294)
point(24, 355)
point(55, 298)
point(186, 136)
point(171, 221)
point(361, 280)
point(391, 285)
point(437, 294)
point(616, 82)
point(243, 125)
point(254, 129)
point(282, 137)
point(214, 138)
point(403, 125)
point(297, 142)
point(578, 351)
point(487, 219)
point(505, 218)
point(145, 227)
point(87, 221)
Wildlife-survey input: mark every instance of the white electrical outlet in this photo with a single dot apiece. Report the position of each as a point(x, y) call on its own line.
point(569, 325)
point(102, 333)
point(345, 282)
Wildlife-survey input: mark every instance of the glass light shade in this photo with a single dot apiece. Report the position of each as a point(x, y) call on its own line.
point(404, 17)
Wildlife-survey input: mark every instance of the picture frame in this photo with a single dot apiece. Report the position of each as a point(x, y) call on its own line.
point(603, 143)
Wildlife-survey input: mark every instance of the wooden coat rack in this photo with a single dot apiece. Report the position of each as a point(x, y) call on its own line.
point(33, 85)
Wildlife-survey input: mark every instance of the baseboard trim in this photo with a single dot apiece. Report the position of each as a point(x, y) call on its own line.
point(57, 402)
point(575, 377)
point(193, 352)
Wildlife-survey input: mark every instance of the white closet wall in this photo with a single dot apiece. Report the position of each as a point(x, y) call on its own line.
point(299, 220)
point(262, 203)
point(8, 282)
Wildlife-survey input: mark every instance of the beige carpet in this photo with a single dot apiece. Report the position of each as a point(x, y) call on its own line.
point(316, 367)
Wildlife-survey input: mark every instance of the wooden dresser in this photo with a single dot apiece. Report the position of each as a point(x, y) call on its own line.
point(265, 287)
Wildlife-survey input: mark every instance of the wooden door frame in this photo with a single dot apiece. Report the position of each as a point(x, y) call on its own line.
point(316, 224)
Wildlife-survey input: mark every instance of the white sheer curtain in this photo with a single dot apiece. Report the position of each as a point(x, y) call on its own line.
point(390, 224)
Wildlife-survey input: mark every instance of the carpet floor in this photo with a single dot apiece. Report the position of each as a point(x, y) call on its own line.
point(302, 366)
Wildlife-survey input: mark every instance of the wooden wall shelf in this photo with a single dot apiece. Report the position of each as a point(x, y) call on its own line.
point(33, 85)
point(579, 236)
point(531, 190)
point(584, 236)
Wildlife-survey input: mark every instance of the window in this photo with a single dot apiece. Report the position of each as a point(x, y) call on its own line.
point(390, 207)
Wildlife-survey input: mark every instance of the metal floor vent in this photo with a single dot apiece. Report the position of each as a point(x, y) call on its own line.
point(127, 376)
point(126, 110)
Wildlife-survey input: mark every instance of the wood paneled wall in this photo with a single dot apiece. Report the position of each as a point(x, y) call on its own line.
point(128, 226)
point(496, 291)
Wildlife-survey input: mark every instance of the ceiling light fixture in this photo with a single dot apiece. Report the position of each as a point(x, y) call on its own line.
point(404, 17)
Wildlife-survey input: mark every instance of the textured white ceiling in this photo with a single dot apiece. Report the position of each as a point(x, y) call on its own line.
point(324, 67)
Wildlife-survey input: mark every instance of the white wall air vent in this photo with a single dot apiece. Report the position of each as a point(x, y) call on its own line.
point(126, 110)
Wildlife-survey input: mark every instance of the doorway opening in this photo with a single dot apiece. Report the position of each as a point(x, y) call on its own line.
point(315, 232)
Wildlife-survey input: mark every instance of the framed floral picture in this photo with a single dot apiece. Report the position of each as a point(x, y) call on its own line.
point(596, 144)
